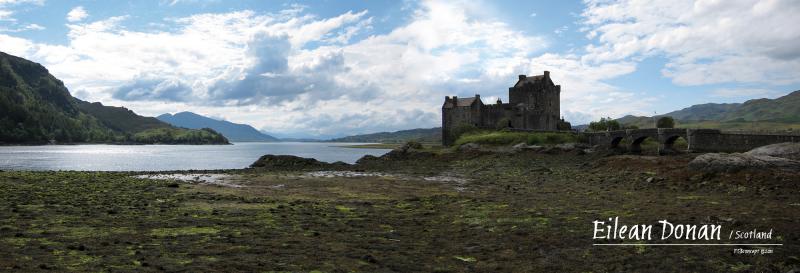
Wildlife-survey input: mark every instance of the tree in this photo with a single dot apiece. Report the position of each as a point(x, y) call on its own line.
point(503, 123)
point(665, 122)
point(563, 125)
point(605, 124)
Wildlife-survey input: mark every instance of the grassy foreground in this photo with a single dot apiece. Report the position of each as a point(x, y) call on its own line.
point(452, 212)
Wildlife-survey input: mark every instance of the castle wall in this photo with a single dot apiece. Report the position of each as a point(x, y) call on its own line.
point(493, 113)
point(452, 117)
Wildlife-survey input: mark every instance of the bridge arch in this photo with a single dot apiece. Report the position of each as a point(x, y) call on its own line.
point(636, 143)
point(668, 145)
point(615, 141)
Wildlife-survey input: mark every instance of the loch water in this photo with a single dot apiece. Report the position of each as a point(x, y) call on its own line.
point(168, 157)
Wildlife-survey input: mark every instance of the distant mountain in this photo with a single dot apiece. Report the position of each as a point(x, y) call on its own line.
point(291, 139)
point(779, 113)
point(432, 135)
point(233, 131)
point(37, 108)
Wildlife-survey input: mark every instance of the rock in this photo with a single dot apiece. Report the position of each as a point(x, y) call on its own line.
point(365, 159)
point(340, 164)
point(403, 151)
point(787, 150)
point(520, 146)
point(717, 162)
point(411, 145)
point(286, 162)
point(469, 147)
point(565, 146)
point(525, 147)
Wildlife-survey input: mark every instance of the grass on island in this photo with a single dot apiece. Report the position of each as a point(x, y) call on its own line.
point(511, 138)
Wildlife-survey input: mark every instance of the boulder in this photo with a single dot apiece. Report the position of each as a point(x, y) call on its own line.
point(411, 145)
point(719, 162)
point(566, 147)
point(784, 150)
point(525, 147)
point(366, 159)
point(403, 151)
point(286, 162)
point(469, 147)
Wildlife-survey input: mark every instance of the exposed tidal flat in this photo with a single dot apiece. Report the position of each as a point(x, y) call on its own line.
point(437, 211)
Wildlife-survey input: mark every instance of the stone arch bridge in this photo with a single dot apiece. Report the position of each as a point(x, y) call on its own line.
point(698, 140)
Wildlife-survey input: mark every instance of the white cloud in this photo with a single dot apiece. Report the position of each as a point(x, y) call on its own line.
point(705, 41)
point(6, 5)
point(560, 31)
point(23, 28)
point(293, 72)
point(175, 2)
point(77, 14)
point(5, 15)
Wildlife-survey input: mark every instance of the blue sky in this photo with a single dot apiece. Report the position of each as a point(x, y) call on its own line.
point(332, 68)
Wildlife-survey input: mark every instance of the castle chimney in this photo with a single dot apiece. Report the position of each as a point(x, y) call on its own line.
point(547, 74)
point(499, 101)
point(522, 77)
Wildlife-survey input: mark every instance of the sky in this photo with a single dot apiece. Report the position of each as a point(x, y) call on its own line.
point(319, 69)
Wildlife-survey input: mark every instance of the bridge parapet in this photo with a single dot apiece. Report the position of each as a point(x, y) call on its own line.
point(698, 140)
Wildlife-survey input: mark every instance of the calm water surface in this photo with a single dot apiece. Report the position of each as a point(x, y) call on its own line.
point(168, 157)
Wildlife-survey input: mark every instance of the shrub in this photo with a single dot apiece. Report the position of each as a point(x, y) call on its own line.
point(563, 125)
point(461, 129)
point(413, 145)
point(605, 124)
point(665, 122)
point(503, 123)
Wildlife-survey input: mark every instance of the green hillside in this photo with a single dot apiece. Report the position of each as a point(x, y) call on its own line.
point(37, 108)
point(431, 135)
point(760, 114)
point(120, 118)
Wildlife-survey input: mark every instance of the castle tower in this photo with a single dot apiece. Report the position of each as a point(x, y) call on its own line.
point(536, 100)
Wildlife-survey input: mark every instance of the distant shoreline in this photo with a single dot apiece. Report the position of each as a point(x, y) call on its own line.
point(372, 146)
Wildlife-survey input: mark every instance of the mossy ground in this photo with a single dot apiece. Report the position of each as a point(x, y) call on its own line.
point(517, 213)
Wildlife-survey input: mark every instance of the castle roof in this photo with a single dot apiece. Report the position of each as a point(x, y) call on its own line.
point(465, 101)
point(529, 79)
point(461, 102)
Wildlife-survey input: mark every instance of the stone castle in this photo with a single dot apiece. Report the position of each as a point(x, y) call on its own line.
point(533, 104)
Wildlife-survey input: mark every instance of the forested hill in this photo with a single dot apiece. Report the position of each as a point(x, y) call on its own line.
point(36, 108)
point(233, 131)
